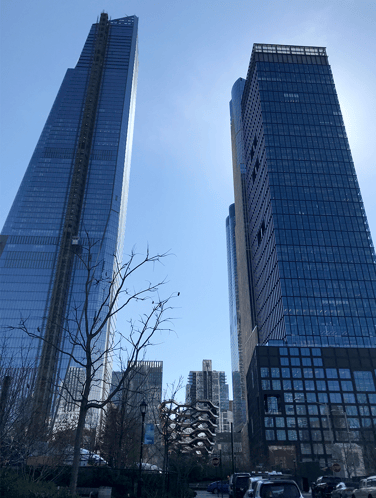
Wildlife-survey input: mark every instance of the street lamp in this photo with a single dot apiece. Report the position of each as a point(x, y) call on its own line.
point(143, 410)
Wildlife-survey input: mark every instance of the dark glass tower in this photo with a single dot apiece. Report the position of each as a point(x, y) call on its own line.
point(238, 384)
point(71, 205)
point(313, 262)
point(305, 264)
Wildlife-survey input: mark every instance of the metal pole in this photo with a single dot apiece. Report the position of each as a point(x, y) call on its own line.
point(350, 443)
point(221, 470)
point(143, 408)
point(329, 423)
point(327, 411)
point(343, 412)
point(232, 448)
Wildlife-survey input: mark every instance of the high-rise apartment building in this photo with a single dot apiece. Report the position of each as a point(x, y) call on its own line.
point(69, 212)
point(208, 384)
point(305, 261)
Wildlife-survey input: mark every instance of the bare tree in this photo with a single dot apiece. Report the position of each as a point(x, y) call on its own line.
point(119, 441)
point(88, 387)
point(166, 431)
point(17, 446)
point(16, 386)
point(119, 437)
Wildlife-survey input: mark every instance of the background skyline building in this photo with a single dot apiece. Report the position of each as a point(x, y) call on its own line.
point(121, 437)
point(312, 278)
point(69, 212)
point(209, 384)
point(144, 383)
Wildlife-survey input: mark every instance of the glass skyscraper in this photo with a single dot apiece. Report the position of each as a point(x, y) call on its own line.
point(313, 261)
point(305, 260)
point(69, 212)
point(238, 384)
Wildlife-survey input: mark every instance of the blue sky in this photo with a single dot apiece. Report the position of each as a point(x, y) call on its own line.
point(191, 53)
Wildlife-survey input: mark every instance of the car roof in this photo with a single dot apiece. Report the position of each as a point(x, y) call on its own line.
point(329, 477)
point(278, 481)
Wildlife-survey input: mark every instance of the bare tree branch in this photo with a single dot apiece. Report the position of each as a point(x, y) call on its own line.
point(87, 326)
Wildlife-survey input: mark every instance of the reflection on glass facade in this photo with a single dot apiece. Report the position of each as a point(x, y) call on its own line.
point(330, 399)
point(238, 387)
point(312, 276)
point(241, 299)
point(94, 114)
point(312, 256)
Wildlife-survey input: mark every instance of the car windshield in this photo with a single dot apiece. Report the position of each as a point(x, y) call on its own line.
point(241, 482)
point(279, 490)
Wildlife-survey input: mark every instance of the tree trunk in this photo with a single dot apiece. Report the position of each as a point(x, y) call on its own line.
point(77, 445)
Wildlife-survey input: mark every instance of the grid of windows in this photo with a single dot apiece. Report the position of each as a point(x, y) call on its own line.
point(312, 254)
point(34, 225)
point(339, 404)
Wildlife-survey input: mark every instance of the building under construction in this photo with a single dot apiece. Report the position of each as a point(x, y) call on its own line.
point(68, 217)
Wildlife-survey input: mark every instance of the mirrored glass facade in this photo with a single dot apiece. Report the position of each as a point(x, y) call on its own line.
point(238, 384)
point(92, 118)
point(320, 402)
point(312, 272)
point(313, 262)
point(242, 310)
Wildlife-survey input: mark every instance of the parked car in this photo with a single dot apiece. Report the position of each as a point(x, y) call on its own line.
point(344, 489)
point(367, 488)
point(218, 487)
point(252, 482)
point(323, 486)
point(276, 488)
point(87, 458)
point(238, 484)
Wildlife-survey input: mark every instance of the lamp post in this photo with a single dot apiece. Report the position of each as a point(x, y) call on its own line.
point(232, 448)
point(143, 410)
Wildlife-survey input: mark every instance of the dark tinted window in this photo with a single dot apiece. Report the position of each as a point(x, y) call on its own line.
point(241, 482)
point(279, 490)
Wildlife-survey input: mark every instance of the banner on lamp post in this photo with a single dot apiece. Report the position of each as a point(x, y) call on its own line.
point(149, 434)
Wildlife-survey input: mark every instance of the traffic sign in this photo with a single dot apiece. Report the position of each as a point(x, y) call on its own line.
point(336, 467)
point(215, 461)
